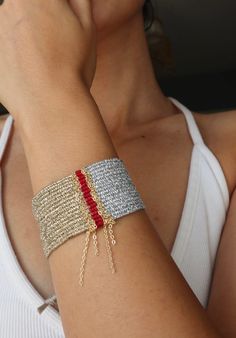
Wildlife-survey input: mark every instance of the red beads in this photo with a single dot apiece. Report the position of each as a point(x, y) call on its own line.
point(89, 199)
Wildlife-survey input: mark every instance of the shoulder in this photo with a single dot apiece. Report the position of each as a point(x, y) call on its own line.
point(3, 119)
point(13, 138)
point(219, 134)
point(219, 124)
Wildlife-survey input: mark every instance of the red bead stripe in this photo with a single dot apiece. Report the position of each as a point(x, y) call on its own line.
point(94, 214)
point(93, 211)
point(92, 203)
point(89, 199)
point(86, 195)
point(82, 182)
point(96, 217)
point(85, 189)
point(99, 224)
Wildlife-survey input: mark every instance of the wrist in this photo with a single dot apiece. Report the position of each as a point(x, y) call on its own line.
point(52, 107)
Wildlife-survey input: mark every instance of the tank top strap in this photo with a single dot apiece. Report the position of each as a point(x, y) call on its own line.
point(5, 135)
point(192, 125)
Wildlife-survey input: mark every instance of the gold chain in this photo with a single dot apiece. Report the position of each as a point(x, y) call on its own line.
point(110, 223)
point(109, 251)
point(95, 243)
point(107, 228)
point(84, 257)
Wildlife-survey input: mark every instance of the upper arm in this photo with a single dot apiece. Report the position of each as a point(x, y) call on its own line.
point(222, 302)
point(219, 134)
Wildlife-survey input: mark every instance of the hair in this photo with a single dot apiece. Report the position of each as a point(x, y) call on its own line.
point(158, 42)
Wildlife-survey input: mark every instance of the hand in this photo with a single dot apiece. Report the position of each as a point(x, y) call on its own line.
point(45, 45)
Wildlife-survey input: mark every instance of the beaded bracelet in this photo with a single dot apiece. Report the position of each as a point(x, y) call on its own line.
point(90, 198)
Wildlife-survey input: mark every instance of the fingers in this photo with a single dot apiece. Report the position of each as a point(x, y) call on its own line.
point(83, 10)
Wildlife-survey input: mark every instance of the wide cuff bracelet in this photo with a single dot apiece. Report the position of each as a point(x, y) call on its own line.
point(84, 201)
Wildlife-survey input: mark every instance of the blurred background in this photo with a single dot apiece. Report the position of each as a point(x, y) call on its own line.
point(193, 48)
point(202, 38)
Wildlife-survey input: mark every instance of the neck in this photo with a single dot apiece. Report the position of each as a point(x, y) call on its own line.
point(125, 88)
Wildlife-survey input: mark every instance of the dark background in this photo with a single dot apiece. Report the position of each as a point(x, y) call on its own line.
point(202, 34)
point(203, 39)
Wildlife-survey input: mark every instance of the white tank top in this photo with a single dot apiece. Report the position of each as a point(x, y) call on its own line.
point(194, 250)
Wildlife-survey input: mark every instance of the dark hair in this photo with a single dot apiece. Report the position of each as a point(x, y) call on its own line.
point(148, 14)
point(159, 44)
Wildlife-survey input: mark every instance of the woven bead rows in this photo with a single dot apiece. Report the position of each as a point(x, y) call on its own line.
point(98, 193)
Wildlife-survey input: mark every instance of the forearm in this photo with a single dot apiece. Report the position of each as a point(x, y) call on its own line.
point(147, 297)
point(65, 134)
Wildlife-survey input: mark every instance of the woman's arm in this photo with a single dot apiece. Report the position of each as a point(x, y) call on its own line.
point(222, 302)
point(45, 81)
point(147, 297)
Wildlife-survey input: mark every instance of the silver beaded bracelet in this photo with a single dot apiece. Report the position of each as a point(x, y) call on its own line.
point(84, 201)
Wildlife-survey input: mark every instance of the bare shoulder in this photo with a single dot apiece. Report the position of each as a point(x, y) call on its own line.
point(14, 149)
point(3, 120)
point(219, 133)
point(218, 124)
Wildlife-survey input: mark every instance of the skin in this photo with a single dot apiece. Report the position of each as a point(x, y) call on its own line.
point(144, 128)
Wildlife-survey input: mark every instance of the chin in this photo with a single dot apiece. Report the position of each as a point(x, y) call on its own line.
point(111, 14)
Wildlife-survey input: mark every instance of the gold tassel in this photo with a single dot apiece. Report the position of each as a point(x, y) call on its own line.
point(84, 257)
point(109, 221)
point(109, 251)
point(95, 243)
point(108, 234)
